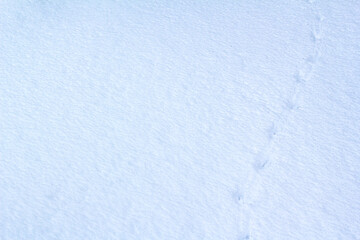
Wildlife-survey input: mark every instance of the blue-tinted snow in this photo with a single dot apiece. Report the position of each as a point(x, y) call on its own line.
point(179, 119)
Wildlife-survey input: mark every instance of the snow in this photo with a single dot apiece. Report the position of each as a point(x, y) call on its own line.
point(179, 119)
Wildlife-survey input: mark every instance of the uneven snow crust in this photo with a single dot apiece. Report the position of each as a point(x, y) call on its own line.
point(179, 120)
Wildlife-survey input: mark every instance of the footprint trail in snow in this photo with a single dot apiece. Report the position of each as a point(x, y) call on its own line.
point(253, 188)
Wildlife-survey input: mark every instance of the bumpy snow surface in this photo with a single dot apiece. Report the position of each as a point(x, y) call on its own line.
point(179, 120)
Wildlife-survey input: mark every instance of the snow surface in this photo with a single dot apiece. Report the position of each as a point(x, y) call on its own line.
point(179, 119)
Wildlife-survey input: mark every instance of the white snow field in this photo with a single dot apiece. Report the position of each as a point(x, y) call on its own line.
point(231, 119)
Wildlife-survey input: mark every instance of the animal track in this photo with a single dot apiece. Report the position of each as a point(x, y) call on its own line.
point(303, 74)
point(260, 162)
point(262, 159)
point(290, 104)
point(246, 237)
point(238, 196)
point(272, 131)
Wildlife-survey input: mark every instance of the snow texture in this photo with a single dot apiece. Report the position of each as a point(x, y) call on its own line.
point(179, 119)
